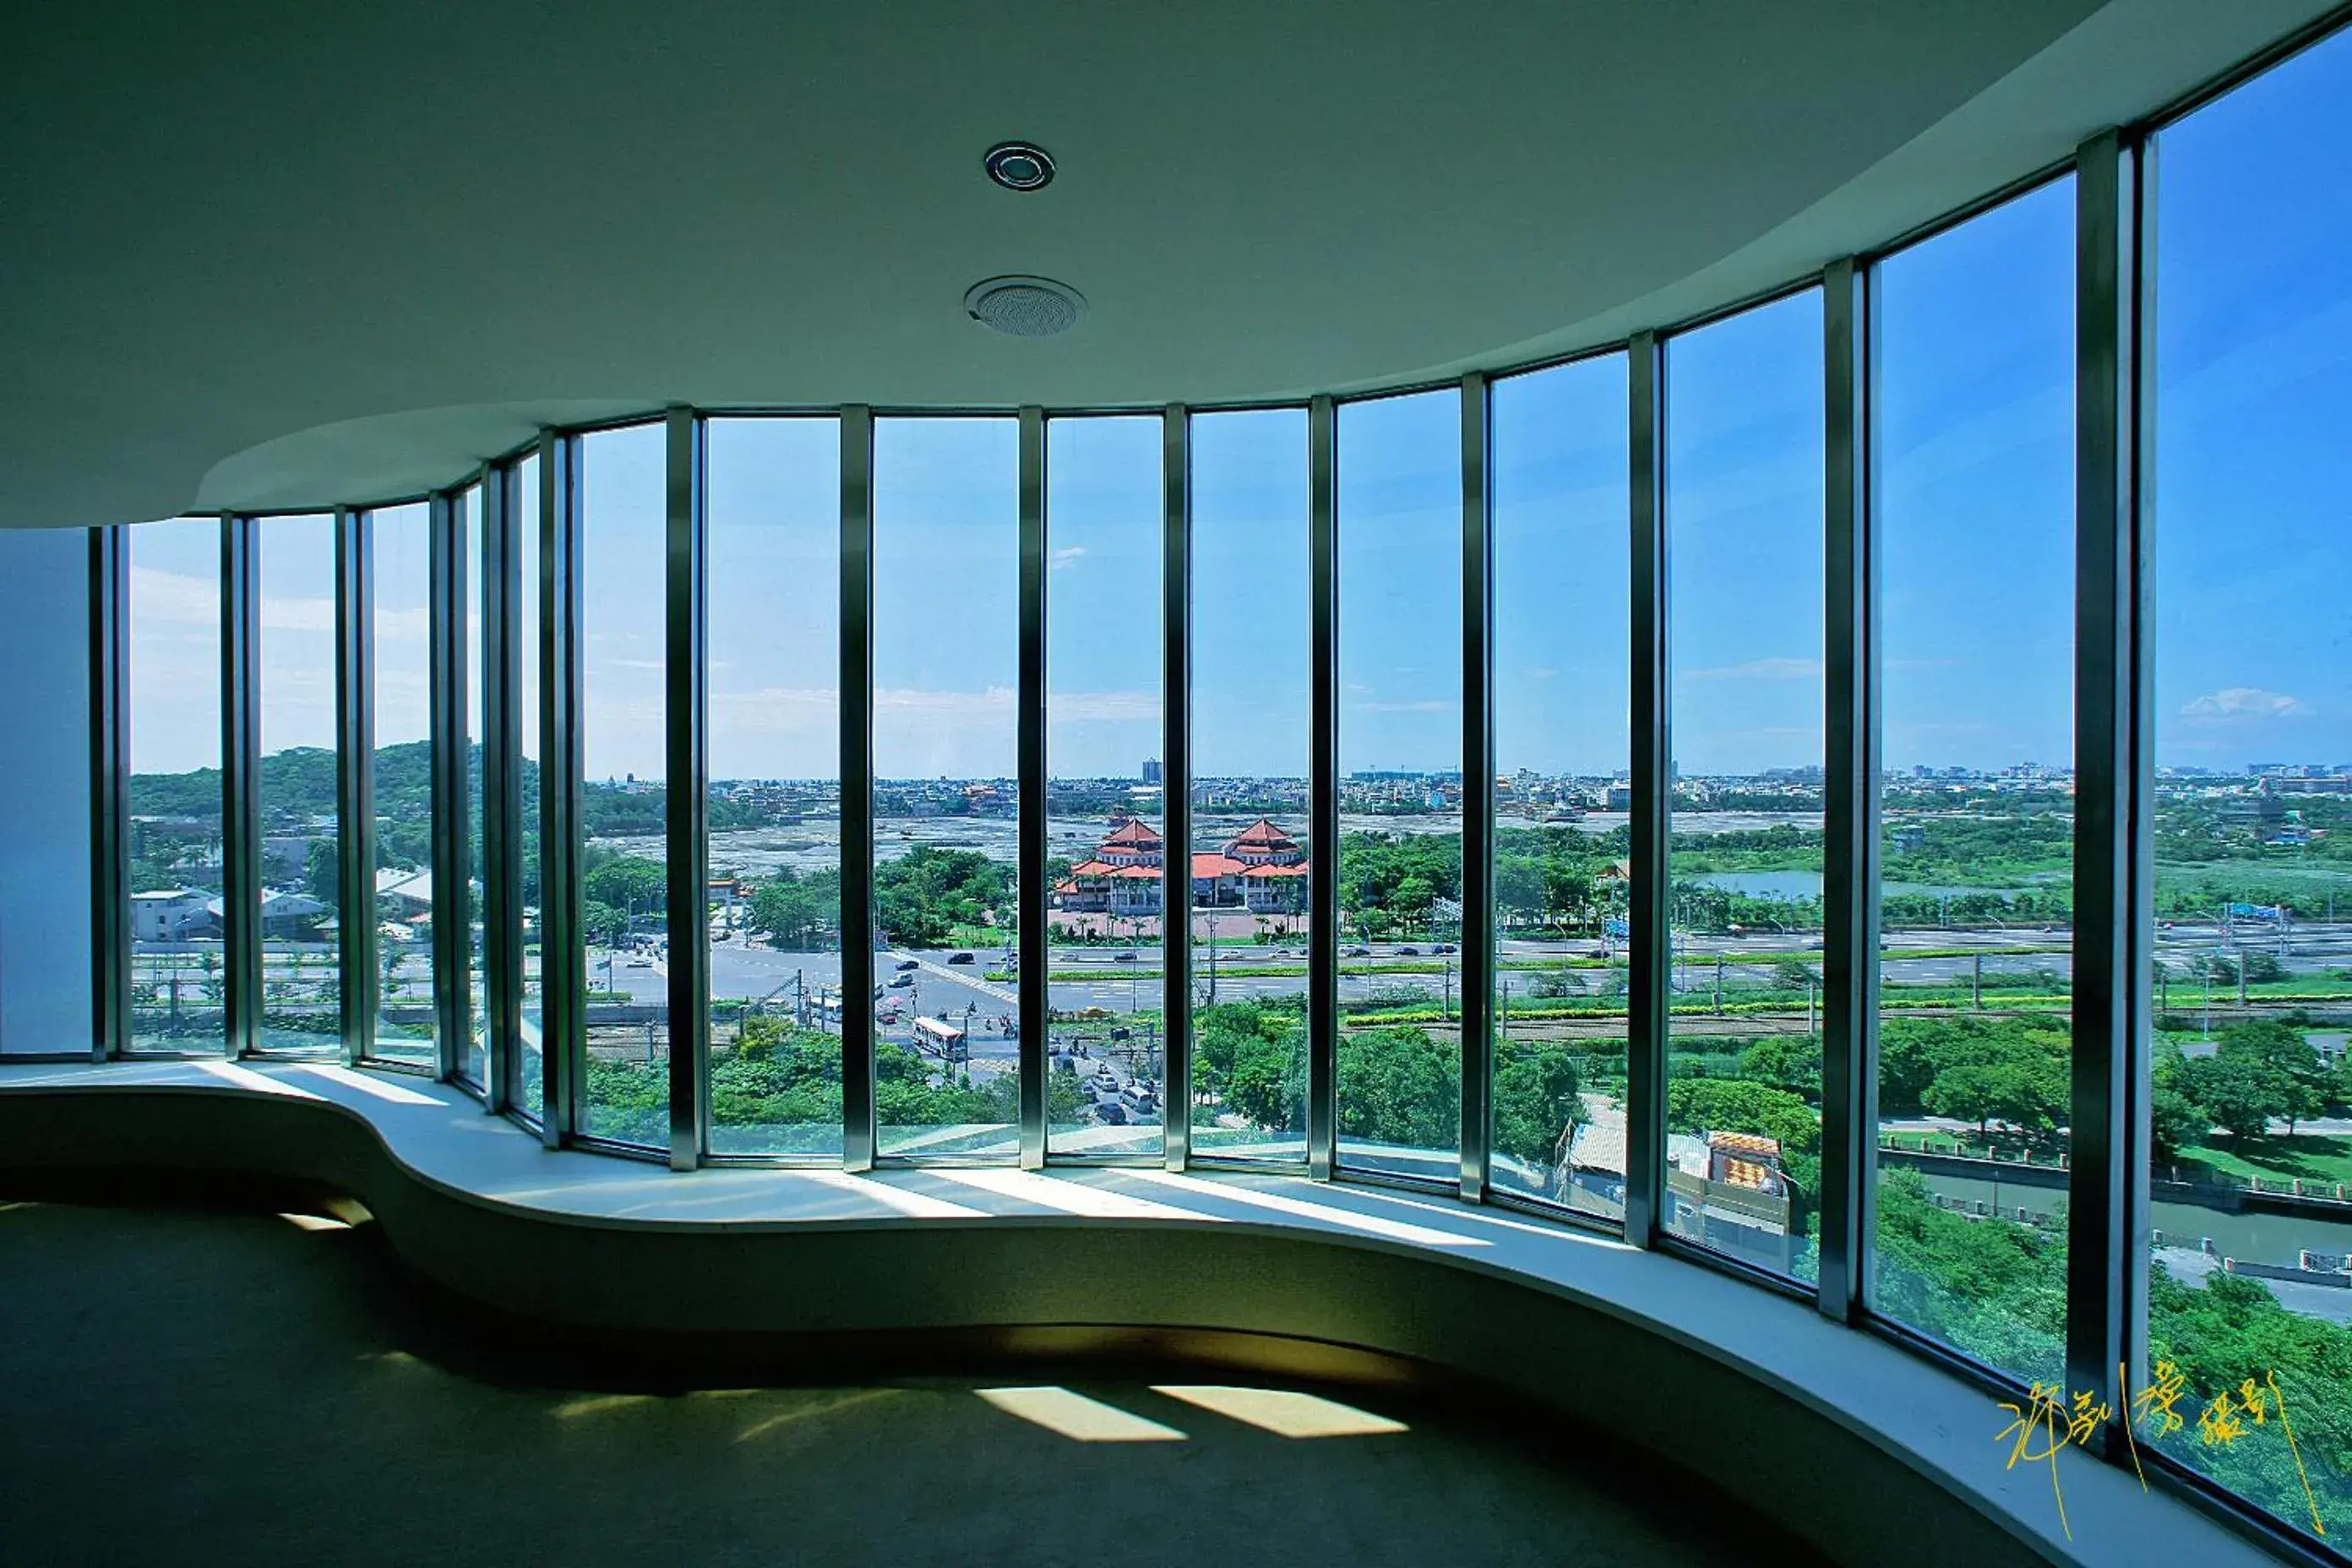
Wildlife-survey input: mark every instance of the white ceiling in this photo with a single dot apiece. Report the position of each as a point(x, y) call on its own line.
point(259, 254)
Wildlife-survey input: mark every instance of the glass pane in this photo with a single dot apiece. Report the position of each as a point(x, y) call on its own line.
point(474, 1061)
point(774, 509)
point(1400, 522)
point(947, 625)
point(177, 978)
point(1743, 552)
point(1251, 712)
point(2253, 809)
point(301, 904)
point(526, 1093)
point(1107, 1056)
point(44, 821)
point(625, 890)
point(1562, 686)
point(404, 906)
point(1975, 425)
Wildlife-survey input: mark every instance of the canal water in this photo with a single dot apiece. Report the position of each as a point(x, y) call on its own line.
point(2251, 1237)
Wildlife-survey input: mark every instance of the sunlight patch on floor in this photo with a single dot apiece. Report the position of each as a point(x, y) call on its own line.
point(1077, 1417)
point(1284, 1412)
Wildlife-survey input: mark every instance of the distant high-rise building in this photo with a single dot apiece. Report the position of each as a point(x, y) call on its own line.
point(1151, 770)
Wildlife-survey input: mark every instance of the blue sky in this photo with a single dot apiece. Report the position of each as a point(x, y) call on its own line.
point(2253, 403)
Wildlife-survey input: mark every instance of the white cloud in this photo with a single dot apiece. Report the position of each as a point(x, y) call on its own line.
point(1062, 558)
point(1761, 669)
point(1427, 705)
point(2242, 703)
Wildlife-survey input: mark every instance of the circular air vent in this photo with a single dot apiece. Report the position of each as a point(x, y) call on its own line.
point(1024, 307)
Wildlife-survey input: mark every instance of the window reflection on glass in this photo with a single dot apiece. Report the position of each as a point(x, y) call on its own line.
point(1107, 1053)
point(1400, 522)
point(1975, 499)
point(1563, 683)
point(178, 972)
point(525, 1092)
point(1251, 719)
point(302, 897)
point(947, 620)
point(775, 902)
point(2253, 638)
point(405, 901)
point(624, 862)
point(1744, 564)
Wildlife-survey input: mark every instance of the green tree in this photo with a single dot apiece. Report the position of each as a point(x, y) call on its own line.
point(1397, 1086)
point(603, 924)
point(2239, 1093)
point(1536, 1103)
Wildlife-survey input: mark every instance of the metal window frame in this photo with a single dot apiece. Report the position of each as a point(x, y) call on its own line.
point(109, 630)
point(452, 869)
point(1323, 789)
point(356, 925)
point(687, 787)
point(859, 1132)
point(1649, 940)
point(1477, 944)
point(563, 962)
point(2113, 938)
point(1851, 846)
point(502, 803)
point(240, 782)
point(1030, 862)
point(1176, 786)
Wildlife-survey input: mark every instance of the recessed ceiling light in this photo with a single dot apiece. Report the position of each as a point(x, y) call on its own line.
point(1022, 307)
point(1019, 166)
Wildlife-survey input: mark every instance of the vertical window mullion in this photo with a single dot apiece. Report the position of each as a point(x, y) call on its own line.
point(1323, 790)
point(1850, 819)
point(563, 963)
point(446, 677)
point(857, 713)
point(356, 928)
point(240, 779)
point(1176, 786)
point(502, 803)
point(110, 781)
point(688, 793)
point(1477, 942)
point(2107, 1308)
point(1648, 937)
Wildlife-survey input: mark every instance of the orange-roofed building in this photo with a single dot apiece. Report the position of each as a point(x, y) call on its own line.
point(1260, 868)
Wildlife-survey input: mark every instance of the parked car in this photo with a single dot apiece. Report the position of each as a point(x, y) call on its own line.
point(899, 981)
point(959, 958)
point(904, 964)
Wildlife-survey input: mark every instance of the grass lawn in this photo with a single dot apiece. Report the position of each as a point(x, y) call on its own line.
point(2313, 1159)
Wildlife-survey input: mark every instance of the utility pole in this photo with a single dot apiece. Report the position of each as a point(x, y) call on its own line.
point(1812, 1000)
point(1718, 985)
point(1976, 983)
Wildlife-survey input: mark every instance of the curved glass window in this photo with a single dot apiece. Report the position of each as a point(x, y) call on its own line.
point(1744, 423)
point(1974, 503)
point(1400, 524)
point(178, 971)
point(302, 888)
point(1563, 683)
point(405, 900)
point(1107, 1052)
point(947, 660)
point(774, 903)
point(2252, 635)
point(1251, 719)
point(623, 863)
point(474, 1063)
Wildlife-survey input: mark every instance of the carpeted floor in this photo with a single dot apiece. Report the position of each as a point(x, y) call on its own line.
point(191, 1385)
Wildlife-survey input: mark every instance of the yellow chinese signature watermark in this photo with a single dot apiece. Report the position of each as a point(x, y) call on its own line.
point(2050, 1421)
